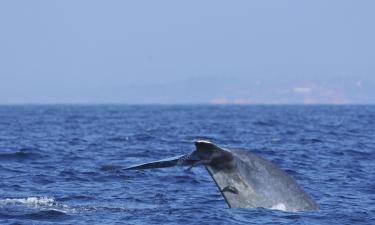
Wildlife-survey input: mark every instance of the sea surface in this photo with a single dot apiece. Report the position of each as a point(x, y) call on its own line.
point(61, 164)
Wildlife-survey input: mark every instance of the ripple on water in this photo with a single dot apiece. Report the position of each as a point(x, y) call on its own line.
point(21, 154)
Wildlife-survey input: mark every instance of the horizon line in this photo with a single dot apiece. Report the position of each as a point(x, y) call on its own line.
point(184, 104)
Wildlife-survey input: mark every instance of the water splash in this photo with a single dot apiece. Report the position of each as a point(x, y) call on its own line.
point(182, 161)
point(279, 206)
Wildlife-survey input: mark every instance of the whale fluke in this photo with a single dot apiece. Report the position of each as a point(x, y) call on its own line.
point(244, 179)
point(169, 162)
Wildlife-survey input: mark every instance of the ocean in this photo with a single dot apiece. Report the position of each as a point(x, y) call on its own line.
point(61, 164)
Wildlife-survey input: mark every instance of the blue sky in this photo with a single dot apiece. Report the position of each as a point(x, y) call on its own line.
point(245, 52)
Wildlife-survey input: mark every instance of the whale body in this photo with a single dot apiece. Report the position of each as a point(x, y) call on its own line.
point(244, 179)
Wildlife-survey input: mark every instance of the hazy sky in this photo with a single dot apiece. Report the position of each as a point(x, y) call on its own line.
point(187, 51)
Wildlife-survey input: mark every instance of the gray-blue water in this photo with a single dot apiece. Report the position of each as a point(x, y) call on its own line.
point(60, 164)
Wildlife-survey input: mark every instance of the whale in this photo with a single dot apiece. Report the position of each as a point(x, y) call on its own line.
point(244, 179)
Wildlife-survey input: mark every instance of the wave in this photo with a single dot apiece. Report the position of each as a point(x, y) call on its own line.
point(8, 170)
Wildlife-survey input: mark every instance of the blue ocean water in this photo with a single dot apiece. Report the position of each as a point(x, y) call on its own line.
point(61, 164)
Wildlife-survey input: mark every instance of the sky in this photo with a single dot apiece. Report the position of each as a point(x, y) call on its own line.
point(187, 52)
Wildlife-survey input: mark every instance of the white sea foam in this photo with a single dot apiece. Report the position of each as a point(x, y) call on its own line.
point(37, 202)
point(279, 206)
point(33, 201)
point(49, 203)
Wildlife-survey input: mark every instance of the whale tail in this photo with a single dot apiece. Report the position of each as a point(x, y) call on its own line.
point(182, 160)
point(244, 179)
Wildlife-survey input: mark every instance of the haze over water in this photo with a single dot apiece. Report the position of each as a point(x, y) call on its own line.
point(245, 52)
